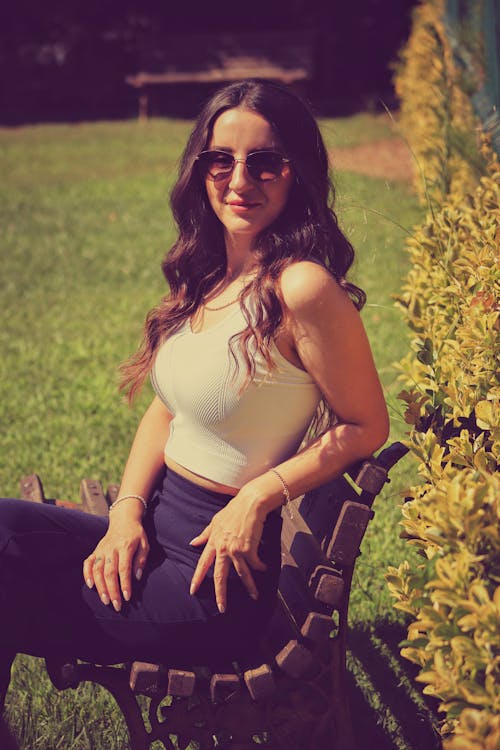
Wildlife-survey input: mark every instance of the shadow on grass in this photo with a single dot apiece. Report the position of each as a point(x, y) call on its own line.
point(388, 708)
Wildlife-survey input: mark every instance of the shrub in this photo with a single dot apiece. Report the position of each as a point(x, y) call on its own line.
point(435, 112)
point(452, 393)
point(450, 300)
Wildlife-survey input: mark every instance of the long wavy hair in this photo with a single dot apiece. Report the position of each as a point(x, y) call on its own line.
point(306, 229)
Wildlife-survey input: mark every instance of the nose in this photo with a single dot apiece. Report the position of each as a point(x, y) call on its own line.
point(240, 177)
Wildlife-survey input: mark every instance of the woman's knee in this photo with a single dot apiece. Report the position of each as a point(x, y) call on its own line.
point(31, 530)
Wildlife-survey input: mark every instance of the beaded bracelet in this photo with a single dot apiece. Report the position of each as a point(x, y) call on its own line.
point(286, 491)
point(126, 497)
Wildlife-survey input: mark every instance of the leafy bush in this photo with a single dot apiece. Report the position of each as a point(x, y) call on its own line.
point(451, 304)
point(435, 112)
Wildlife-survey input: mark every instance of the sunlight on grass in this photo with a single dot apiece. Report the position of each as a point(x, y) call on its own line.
point(344, 132)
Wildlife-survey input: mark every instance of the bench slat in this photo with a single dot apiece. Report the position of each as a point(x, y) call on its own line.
point(317, 627)
point(180, 683)
point(93, 500)
point(260, 682)
point(371, 477)
point(32, 489)
point(294, 659)
point(327, 586)
point(348, 533)
point(321, 509)
point(223, 687)
point(144, 677)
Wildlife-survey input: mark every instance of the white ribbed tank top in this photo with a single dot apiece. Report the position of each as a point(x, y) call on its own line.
point(216, 431)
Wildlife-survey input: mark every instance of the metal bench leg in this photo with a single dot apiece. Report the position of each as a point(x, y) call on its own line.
point(115, 680)
point(69, 674)
point(340, 703)
point(341, 710)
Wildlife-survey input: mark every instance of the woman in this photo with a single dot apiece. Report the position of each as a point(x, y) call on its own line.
point(259, 333)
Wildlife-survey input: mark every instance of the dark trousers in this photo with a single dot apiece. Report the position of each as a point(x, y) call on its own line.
point(46, 608)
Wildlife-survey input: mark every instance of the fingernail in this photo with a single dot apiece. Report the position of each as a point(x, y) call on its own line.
point(138, 574)
point(192, 589)
point(105, 599)
point(221, 608)
point(117, 605)
point(89, 583)
point(254, 595)
point(192, 540)
point(126, 595)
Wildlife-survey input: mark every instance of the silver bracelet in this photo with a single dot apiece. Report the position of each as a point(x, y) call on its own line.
point(126, 497)
point(286, 490)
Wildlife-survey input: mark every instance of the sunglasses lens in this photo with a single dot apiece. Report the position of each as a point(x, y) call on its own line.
point(265, 165)
point(262, 165)
point(216, 163)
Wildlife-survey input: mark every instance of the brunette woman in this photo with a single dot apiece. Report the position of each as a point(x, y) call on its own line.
point(258, 342)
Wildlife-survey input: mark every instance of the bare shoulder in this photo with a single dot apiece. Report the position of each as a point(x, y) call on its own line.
point(308, 288)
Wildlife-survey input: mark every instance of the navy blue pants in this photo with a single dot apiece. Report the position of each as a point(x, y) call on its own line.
point(46, 608)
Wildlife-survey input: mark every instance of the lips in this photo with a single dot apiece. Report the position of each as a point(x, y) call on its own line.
point(242, 205)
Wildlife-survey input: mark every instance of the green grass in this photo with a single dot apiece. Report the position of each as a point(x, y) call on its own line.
point(85, 223)
point(358, 129)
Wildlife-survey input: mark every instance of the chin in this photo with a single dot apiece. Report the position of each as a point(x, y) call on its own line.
point(242, 227)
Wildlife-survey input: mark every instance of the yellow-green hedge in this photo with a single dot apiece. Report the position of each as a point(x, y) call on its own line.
point(451, 301)
point(435, 113)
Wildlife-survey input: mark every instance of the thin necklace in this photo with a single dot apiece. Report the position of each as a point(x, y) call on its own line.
point(228, 304)
point(221, 307)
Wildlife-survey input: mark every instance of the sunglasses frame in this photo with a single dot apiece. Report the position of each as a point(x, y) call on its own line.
point(226, 175)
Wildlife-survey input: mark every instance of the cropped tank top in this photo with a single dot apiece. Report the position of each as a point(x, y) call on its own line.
point(218, 430)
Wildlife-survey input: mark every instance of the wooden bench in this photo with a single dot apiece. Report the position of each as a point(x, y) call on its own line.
point(215, 58)
point(292, 694)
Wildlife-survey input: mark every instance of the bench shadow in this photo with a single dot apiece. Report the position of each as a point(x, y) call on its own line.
point(388, 708)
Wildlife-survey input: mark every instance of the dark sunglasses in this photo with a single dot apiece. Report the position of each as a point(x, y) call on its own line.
point(263, 166)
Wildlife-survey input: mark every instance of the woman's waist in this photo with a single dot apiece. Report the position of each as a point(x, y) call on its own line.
point(181, 501)
point(200, 481)
point(181, 509)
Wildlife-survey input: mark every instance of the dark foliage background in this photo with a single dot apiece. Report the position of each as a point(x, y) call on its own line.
point(67, 59)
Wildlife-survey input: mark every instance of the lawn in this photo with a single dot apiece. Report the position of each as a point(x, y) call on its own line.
point(85, 223)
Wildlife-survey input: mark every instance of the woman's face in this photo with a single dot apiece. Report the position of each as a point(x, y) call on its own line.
point(244, 204)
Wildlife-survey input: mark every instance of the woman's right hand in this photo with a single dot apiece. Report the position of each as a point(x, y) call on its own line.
point(121, 554)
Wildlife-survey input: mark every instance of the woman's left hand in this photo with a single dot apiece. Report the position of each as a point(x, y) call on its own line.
point(231, 538)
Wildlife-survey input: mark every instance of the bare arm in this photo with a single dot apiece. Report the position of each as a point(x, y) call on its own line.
point(123, 550)
point(330, 341)
point(146, 460)
point(325, 334)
